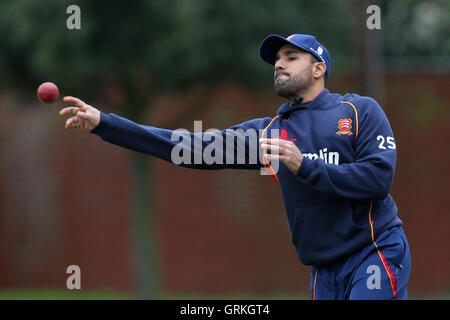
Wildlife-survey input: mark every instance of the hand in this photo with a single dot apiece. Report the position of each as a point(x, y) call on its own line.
point(288, 153)
point(85, 116)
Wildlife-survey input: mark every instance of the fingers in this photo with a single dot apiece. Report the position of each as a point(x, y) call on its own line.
point(275, 141)
point(72, 122)
point(77, 120)
point(82, 115)
point(68, 110)
point(275, 145)
point(292, 164)
point(281, 150)
point(270, 147)
point(277, 157)
point(75, 111)
point(77, 102)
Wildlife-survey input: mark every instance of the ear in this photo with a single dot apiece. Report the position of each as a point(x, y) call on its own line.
point(319, 70)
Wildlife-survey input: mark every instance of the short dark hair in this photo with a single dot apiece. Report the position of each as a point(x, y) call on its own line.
point(313, 59)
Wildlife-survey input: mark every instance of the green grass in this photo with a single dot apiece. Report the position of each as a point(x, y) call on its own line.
point(438, 296)
point(236, 296)
point(56, 294)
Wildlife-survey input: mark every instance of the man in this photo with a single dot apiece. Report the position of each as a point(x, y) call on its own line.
point(337, 160)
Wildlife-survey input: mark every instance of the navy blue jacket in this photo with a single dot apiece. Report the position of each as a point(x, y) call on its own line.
point(339, 200)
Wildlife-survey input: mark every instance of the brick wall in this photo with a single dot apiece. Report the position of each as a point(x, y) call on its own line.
point(65, 198)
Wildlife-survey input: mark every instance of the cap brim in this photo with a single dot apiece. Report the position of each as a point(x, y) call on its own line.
point(270, 46)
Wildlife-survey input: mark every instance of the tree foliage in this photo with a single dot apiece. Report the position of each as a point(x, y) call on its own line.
point(152, 46)
point(168, 44)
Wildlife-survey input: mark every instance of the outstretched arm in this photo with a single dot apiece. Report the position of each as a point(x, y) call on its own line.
point(236, 147)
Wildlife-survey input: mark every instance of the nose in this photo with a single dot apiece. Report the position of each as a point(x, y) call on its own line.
point(279, 65)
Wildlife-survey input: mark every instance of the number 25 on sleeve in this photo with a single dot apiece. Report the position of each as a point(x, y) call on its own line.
point(388, 140)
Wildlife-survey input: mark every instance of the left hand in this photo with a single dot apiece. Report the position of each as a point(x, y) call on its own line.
point(288, 153)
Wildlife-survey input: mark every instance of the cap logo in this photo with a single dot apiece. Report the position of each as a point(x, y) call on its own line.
point(290, 37)
point(319, 54)
point(319, 50)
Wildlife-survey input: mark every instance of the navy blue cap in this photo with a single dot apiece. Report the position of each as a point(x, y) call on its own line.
point(272, 43)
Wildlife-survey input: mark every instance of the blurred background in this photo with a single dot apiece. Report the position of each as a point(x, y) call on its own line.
point(142, 228)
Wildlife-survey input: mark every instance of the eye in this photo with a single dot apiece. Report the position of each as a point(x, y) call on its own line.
point(292, 58)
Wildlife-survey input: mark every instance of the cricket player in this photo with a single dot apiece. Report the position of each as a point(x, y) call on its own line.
point(337, 158)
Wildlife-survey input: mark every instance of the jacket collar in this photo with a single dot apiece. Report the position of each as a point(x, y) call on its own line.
point(323, 99)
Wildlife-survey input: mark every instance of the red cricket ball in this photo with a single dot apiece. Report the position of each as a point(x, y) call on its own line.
point(48, 92)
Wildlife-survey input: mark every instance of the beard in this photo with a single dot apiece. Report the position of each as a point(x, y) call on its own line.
point(294, 86)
